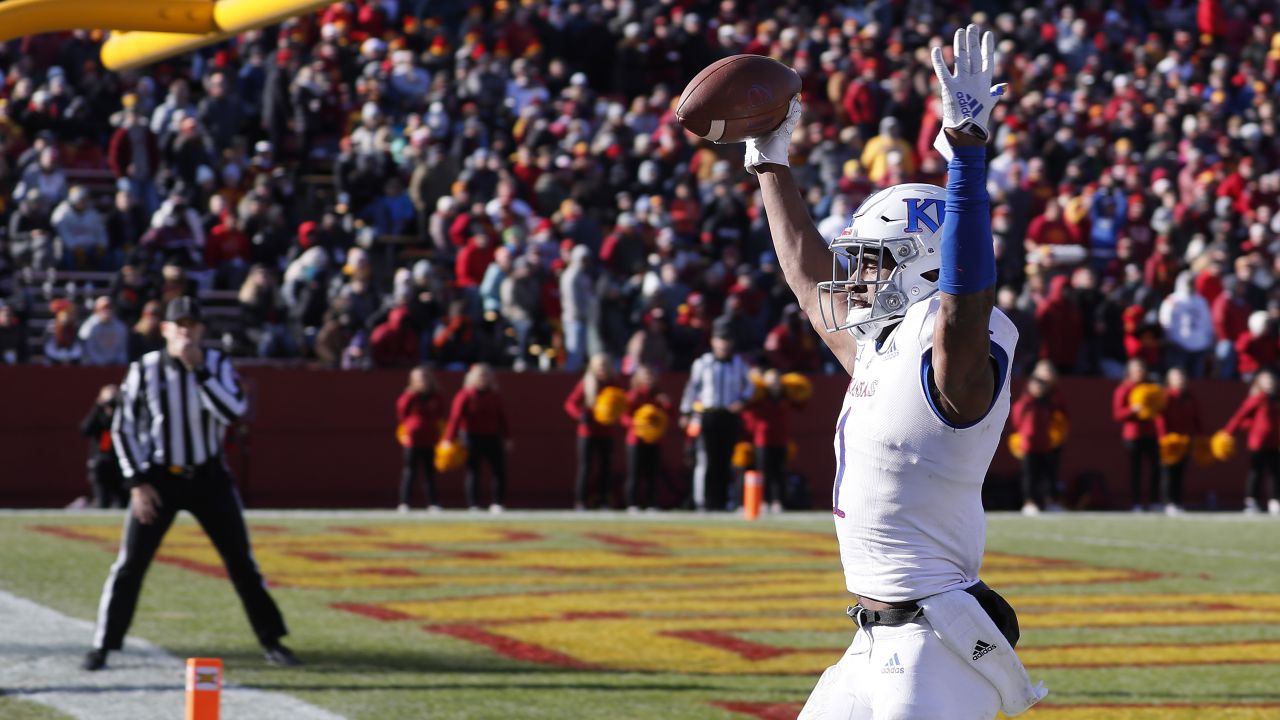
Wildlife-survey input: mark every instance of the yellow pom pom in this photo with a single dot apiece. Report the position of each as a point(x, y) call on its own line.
point(1223, 446)
point(450, 456)
point(742, 455)
point(650, 422)
point(1017, 446)
point(1059, 429)
point(797, 387)
point(1149, 398)
point(402, 435)
point(611, 403)
point(1174, 448)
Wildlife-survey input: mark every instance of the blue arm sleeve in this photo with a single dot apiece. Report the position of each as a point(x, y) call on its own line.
point(968, 258)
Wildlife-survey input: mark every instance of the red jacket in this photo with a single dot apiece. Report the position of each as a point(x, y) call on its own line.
point(1230, 317)
point(768, 420)
point(420, 414)
point(394, 343)
point(472, 263)
point(1181, 415)
point(576, 406)
point(1032, 418)
point(635, 400)
point(1131, 428)
point(477, 412)
point(1061, 325)
point(1256, 352)
point(1260, 416)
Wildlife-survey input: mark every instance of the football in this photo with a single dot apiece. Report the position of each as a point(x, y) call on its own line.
point(738, 97)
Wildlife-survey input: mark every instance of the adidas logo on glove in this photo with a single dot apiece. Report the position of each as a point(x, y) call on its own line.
point(981, 649)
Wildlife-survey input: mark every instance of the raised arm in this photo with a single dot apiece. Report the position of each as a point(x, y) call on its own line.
point(802, 253)
point(964, 374)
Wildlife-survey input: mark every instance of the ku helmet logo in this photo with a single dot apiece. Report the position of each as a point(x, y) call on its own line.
point(918, 212)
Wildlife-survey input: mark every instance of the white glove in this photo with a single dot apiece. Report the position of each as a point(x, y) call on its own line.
point(776, 146)
point(967, 96)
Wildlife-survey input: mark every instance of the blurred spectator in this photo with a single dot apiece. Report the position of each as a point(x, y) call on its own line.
point(32, 242)
point(1259, 416)
point(595, 439)
point(456, 342)
point(62, 344)
point(104, 469)
point(394, 343)
point(1188, 326)
point(577, 298)
point(420, 410)
point(644, 458)
point(1032, 417)
point(1060, 326)
point(45, 176)
point(477, 412)
point(648, 345)
point(145, 336)
point(1230, 313)
point(13, 337)
point(1258, 348)
point(262, 308)
point(1181, 416)
point(519, 304)
point(104, 338)
point(82, 231)
point(1139, 435)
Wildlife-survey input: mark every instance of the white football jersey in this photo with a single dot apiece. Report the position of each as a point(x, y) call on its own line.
point(907, 497)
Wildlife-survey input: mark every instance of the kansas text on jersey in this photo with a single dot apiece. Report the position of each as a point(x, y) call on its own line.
point(907, 497)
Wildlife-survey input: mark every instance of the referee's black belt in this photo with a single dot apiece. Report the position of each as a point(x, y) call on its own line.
point(888, 616)
point(188, 472)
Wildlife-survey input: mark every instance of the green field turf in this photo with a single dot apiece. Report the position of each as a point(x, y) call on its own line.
point(674, 616)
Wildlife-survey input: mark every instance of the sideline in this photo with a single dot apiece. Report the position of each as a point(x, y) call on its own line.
point(40, 652)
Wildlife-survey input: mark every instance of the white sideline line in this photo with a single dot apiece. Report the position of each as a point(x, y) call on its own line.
point(1139, 545)
point(40, 652)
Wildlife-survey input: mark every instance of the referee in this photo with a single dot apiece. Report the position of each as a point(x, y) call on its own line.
point(175, 406)
point(719, 385)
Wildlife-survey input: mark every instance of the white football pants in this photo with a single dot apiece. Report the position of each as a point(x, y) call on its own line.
point(901, 672)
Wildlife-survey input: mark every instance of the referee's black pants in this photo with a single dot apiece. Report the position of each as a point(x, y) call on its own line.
point(714, 469)
point(210, 495)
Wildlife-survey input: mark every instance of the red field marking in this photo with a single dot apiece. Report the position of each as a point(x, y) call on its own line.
point(216, 571)
point(763, 711)
point(358, 531)
point(70, 534)
point(377, 612)
point(389, 572)
point(745, 649)
point(622, 541)
point(316, 556)
point(515, 649)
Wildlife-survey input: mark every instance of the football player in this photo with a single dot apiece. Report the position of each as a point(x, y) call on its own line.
point(904, 298)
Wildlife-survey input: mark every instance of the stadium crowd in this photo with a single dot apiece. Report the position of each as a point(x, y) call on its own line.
point(389, 182)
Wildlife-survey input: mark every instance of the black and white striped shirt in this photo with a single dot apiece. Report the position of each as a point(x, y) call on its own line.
point(174, 417)
point(716, 384)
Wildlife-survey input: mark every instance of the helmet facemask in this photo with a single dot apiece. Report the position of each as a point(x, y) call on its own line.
point(859, 297)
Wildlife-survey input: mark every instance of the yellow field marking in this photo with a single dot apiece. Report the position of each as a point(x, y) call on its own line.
point(1152, 654)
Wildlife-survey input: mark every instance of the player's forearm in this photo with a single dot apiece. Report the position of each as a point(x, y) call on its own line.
point(967, 284)
point(802, 254)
